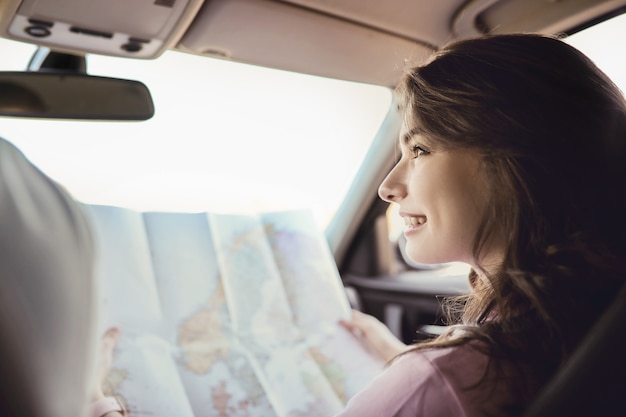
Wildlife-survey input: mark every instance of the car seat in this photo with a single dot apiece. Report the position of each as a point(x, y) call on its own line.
point(593, 381)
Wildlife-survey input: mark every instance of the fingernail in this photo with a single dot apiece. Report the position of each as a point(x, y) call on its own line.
point(116, 331)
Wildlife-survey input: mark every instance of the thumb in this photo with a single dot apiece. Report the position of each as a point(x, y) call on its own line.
point(110, 339)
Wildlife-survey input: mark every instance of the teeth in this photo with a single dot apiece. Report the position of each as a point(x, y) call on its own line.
point(414, 221)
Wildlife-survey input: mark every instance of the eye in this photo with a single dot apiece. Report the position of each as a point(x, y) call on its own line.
point(418, 151)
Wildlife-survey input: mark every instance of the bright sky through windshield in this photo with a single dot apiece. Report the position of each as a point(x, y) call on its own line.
point(225, 137)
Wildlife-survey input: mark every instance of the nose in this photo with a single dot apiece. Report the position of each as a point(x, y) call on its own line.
point(393, 188)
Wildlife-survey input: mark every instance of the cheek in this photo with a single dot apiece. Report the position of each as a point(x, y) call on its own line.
point(447, 236)
point(454, 211)
point(463, 217)
point(451, 234)
point(460, 230)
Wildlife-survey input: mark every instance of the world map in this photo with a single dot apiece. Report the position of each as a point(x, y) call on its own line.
point(238, 315)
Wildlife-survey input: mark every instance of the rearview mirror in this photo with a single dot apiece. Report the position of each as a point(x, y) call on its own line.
point(59, 95)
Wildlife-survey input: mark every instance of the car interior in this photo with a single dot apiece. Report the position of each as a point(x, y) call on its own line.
point(352, 51)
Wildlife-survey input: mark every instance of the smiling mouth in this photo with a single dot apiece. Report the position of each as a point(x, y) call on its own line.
point(415, 220)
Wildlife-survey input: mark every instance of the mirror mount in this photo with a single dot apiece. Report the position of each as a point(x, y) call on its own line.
point(46, 60)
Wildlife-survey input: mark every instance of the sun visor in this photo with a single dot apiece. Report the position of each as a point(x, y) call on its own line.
point(137, 28)
point(280, 35)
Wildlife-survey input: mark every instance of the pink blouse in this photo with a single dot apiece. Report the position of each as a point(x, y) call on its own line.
point(436, 383)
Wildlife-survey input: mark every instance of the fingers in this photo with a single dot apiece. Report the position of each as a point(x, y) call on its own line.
point(110, 339)
point(362, 325)
point(374, 334)
point(361, 321)
point(356, 321)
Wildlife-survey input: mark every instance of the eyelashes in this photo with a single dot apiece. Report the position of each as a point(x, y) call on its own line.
point(417, 151)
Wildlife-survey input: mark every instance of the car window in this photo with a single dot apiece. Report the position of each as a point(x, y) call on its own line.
point(225, 137)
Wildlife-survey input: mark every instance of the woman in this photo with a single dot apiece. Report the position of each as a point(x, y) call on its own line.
point(513, 152)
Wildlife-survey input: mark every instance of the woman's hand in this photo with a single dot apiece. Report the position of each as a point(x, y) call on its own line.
point(109, 341)
point(374, 335)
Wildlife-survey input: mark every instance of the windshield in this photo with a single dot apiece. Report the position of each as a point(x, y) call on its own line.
point(225, 137)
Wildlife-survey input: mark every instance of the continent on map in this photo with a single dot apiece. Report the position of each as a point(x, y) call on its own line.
point(221, 399)
point(202, 337)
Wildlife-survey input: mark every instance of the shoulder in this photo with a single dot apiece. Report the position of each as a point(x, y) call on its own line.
point(462, 365)
point(457, 380)
point(479, 385)
point(411, 386)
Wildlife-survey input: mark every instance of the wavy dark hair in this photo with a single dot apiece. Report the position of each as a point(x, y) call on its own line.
point(551, 130)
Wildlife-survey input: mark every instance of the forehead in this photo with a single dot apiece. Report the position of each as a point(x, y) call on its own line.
point(408, 129)
point(408, 134)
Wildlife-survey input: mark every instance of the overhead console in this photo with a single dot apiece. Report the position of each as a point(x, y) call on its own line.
point(129, 28)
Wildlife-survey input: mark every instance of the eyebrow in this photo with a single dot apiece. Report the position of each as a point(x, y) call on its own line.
point(406, 138)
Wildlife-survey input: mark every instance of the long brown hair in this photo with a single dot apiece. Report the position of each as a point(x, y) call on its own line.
point(551, 129)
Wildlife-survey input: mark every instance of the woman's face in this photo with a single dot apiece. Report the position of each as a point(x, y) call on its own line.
point(441, 194)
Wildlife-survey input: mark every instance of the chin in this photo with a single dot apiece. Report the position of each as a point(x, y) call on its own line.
point(420, 259)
